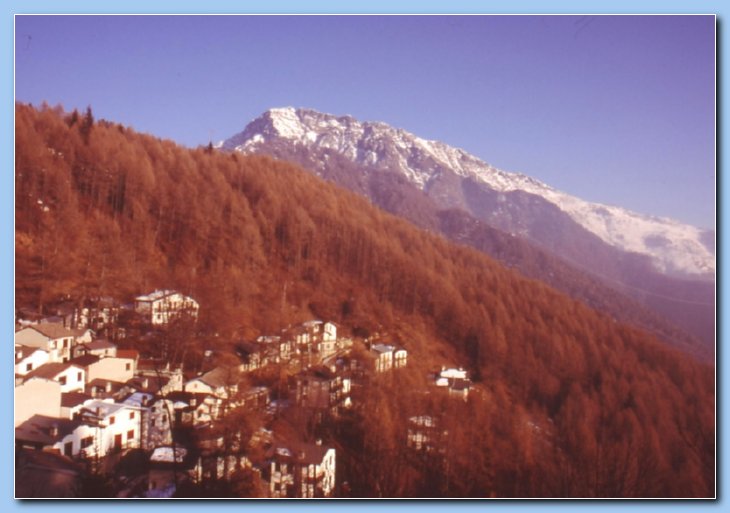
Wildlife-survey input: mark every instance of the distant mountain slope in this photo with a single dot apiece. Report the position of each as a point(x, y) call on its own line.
point(456, 179)
point(368, 158)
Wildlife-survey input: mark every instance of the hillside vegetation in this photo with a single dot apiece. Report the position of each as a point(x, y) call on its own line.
point(624, 285)
point(573, 403)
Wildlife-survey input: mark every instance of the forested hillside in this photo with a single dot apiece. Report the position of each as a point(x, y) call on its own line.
point(573, 404)
point(680, 312)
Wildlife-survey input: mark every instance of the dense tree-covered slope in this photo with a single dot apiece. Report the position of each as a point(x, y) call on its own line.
point(572, 404)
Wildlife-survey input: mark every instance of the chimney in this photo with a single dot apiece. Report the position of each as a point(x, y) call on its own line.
point(54, 430)
point(108, 387)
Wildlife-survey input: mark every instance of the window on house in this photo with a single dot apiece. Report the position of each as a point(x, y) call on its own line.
point(128, 366)
point(111, 420)
point(79, 377)
point(62, 380)
point(28, 367)
point(130, 434)
point(87, 442)
point(131, 414)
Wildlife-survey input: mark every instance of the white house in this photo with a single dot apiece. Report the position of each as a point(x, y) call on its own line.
point(161, 306)
point(400, 358)
point(194, 409)
point(67, 436)
point(221, 382)
point(120, 426)
point(328, 342)
point(53, 338)
point(156, 376)
point(71, 377)
point(28, 359)
point(100, 428)
point(317, 336)
point(301, 470)
point(383, 354)
point(456, 380)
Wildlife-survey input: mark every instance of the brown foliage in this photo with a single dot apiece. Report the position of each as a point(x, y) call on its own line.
point(579, 405)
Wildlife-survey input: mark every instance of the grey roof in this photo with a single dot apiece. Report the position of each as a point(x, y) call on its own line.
point(105, 408)
point(218, 377)
point(383, 348)
point(100, 343)
point(139, 399)
point(156, 295)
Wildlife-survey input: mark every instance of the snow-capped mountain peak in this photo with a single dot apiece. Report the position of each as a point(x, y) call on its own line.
point(673, 247)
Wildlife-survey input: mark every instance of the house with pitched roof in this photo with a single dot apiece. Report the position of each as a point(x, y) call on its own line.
point(99, 347)
point(115, 369)
point(298, 469)
point(221, 382)
point(65, 436)
point(383, 354)
point(120, 425)
point(162, 306)
point(55, 339)
point(456, 381)
point(28, 359)
point(71, 377)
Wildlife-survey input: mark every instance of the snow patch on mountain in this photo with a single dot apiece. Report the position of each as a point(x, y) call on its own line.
point(673, 247)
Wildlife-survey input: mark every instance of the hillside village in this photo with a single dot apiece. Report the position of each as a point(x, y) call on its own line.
point(97, 413)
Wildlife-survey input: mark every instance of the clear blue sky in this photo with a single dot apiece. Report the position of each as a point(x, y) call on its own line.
point(616, 109)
